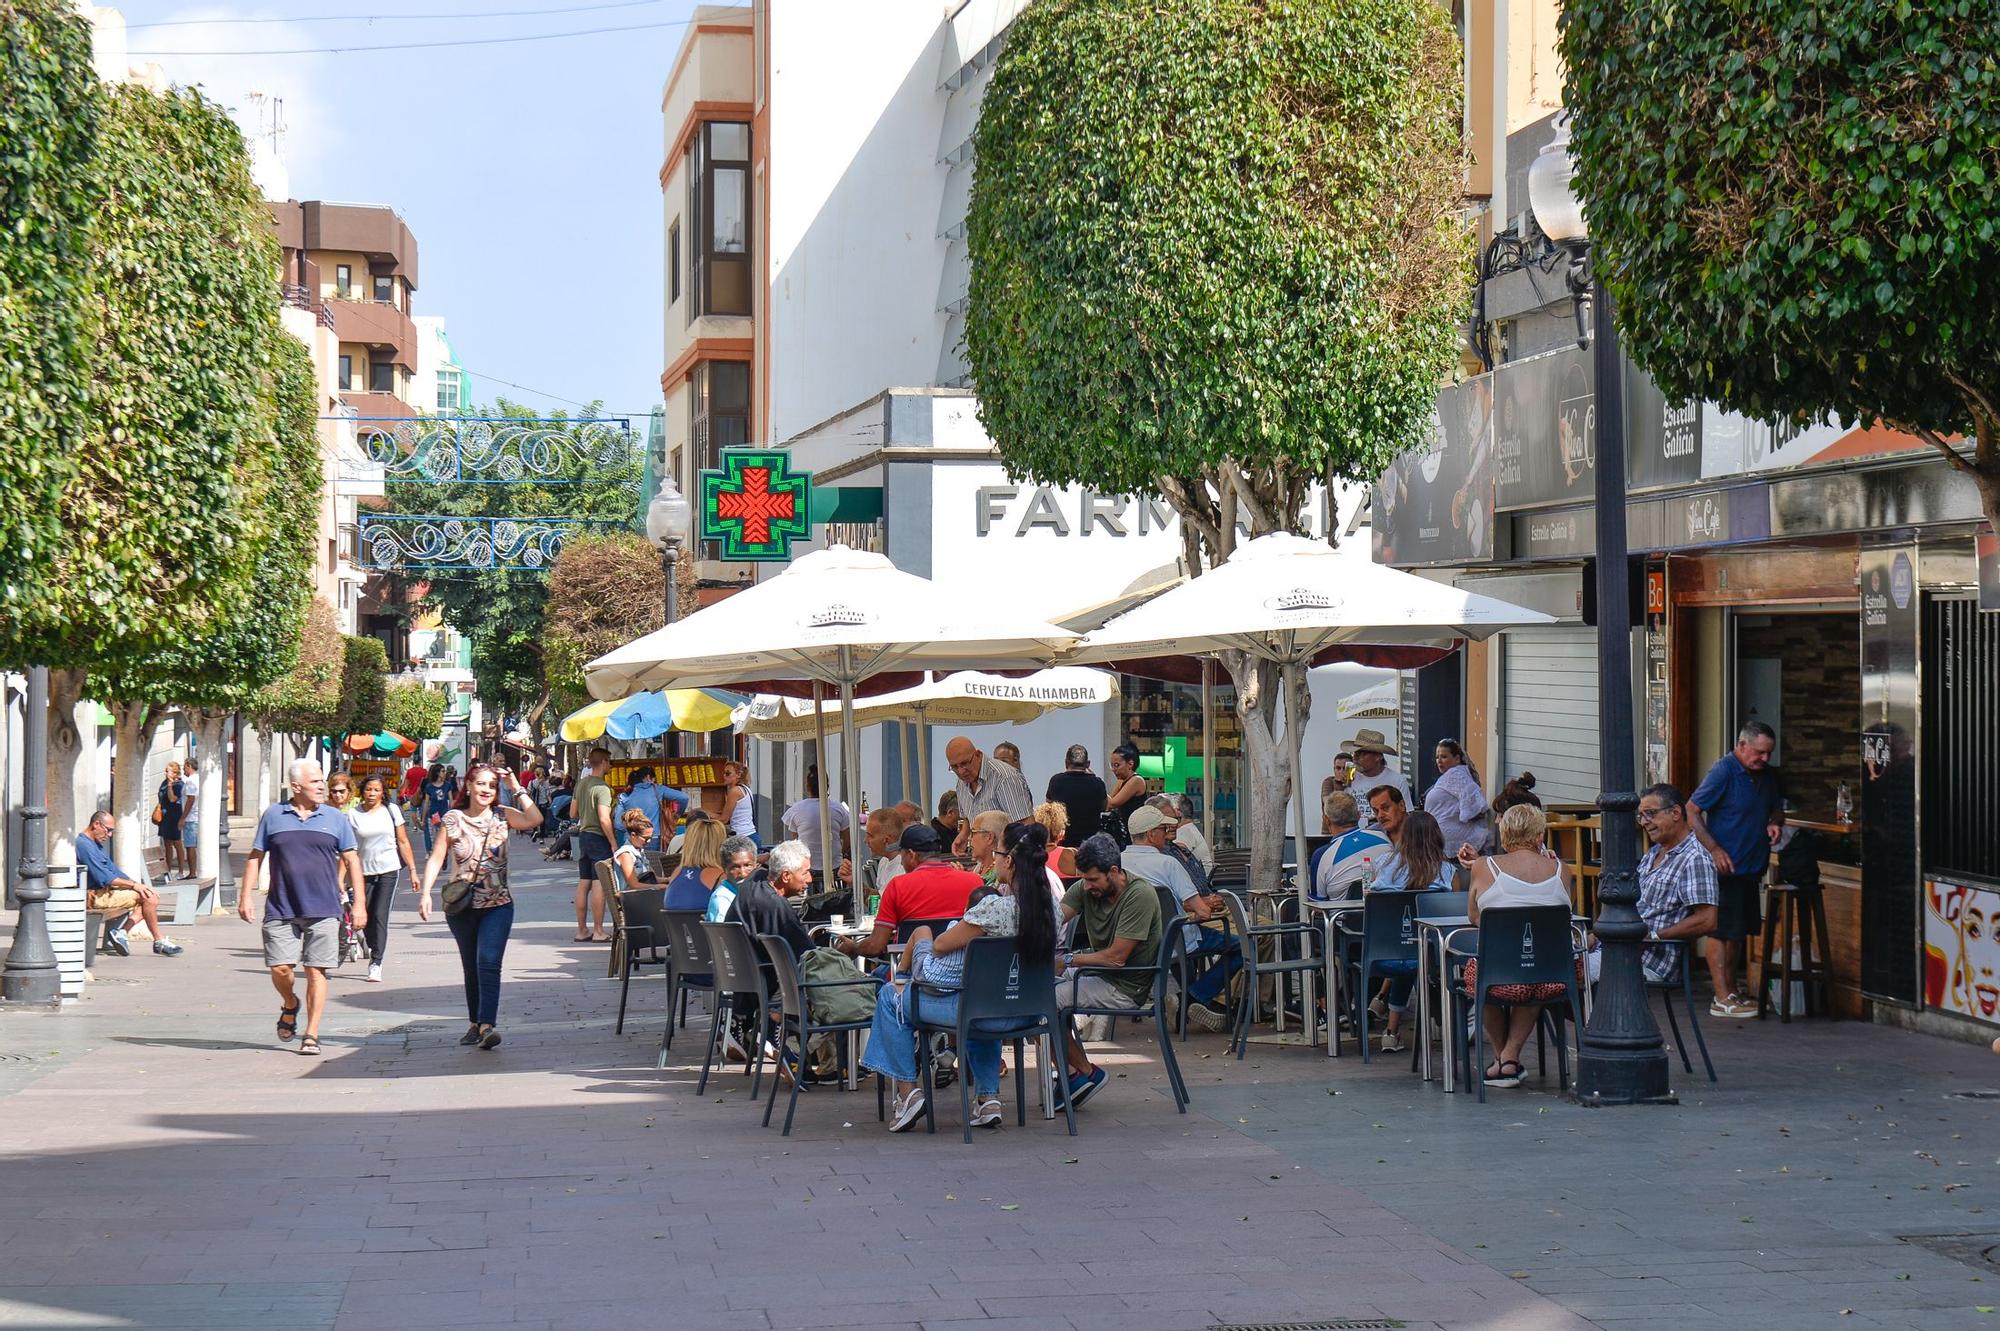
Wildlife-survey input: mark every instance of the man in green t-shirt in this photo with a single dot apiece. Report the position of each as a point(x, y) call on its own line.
point(592, 805)
point(1121, 927)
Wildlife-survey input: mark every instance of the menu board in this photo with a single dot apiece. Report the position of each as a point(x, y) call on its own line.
point(1545, 430)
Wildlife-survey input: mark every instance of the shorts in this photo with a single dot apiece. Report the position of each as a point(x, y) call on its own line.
point(187, 833)
point(114, 900)
point(312, 940)
point(1075, 991)
point(590, 849)
point(1737, 905)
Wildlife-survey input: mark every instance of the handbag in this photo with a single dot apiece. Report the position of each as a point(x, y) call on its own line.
point(457, 894)
point(158, 814)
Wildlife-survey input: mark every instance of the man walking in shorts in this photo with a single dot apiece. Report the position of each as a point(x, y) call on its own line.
point(1731, 813)
point(311, 848)
point(594, 842)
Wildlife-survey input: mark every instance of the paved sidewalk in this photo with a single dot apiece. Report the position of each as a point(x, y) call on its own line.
point(164, 1162)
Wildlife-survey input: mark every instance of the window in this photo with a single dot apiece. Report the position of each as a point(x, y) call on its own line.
point(450, 390)
point(385, 291)
point(382, 377)
point(674, 261)
point(719, 408)
point(346, 374)
point(719, 206)
point(343, 279)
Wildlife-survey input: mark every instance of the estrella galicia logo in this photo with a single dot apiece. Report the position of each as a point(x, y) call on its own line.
point(1302, 598)
point(837, 616)
point(1527, 947)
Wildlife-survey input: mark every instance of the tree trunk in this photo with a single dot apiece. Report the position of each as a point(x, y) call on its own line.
point(210, 806)
point(132, 801)
point(1268, 788)
point(66, 750)
point(535, 714)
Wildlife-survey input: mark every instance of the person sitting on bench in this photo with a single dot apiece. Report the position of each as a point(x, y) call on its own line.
point(117, 893)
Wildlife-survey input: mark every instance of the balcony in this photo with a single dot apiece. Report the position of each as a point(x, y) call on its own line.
point(376, 326)
point(375, 405)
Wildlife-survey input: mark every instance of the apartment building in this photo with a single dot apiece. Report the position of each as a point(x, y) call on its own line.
point(358, 264)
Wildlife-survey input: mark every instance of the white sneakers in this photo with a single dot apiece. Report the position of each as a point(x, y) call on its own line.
point(908, 1110)
point(1735, 1006)
point(375, 973)
point(986, 1114)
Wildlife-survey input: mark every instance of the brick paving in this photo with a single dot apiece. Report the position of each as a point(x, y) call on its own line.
point(165, 1163)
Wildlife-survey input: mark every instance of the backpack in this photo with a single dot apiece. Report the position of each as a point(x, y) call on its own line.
point(849, 1002)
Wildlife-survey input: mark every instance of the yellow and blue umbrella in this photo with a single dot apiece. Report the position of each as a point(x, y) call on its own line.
point(648, 715)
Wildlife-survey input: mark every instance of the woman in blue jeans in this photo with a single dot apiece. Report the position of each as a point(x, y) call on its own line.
point(1024, 909)
point(474, 833)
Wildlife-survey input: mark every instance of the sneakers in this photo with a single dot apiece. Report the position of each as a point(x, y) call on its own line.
point(375, 973)
point(1208, 1017)
point(908, 1110)
point(164, 948)
point(116, 943)
point(1392, 1042)
point(1083, 1085)
point(732, 1048)
point(1379, 1008)
point(986, 1114)
point(1736, 1006)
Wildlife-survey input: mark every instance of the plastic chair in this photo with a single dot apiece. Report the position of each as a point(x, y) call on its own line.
point(1311, 958)
point(1521, 945)
point(643, 925)
point(1172, 950)
point(738, 970)
point(904, 928)
point(1186, 964)
point(794, 994)
point(1388, 938)
point(1010, 1001)
point(1685, 983)
point(688, 967)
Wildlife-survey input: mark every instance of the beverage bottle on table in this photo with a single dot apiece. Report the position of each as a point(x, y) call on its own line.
point(1367, 873)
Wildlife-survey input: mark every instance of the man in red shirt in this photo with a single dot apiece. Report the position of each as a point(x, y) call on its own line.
point(929, 888)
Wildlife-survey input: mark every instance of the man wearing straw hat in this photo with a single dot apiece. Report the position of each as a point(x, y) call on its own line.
point(1372, 771)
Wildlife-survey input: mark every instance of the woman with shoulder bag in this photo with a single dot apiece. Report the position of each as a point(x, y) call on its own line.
point(478, 907)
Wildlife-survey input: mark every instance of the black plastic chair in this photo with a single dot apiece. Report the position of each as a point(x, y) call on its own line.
point(739, 970)
point(1013, 1002)
point(644, 926)
point(904, 928)
point(1172, 950)
point(1388, 938)
point(1520, 945)
point(688, 968)
point(1307, 938)
point(1186, 964)
point(794, 995)
point(1685, 983)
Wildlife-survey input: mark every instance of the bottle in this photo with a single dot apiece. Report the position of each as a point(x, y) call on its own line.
point(874, 904)
point(1843, 803)
point(1367, 873)
point(864, 806)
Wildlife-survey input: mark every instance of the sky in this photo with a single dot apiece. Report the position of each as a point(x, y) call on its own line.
point(528, 171)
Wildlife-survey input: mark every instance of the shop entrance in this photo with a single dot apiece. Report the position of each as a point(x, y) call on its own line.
point(1799, 671)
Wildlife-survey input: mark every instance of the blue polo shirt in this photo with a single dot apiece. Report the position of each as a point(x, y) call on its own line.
point(1738, 805)
point(98, 864)
point(302, 854)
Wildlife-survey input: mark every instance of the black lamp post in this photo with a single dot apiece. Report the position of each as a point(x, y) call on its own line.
point(667, 519)
point(1621, 1059)
point(31, 975)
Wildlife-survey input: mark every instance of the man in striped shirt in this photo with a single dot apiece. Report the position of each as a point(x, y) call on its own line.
point(1677, 884)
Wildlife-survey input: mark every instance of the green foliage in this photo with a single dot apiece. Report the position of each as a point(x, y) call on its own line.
point(1216, 233)
point(414, 711)
point(307, 701)
point(501, 610)
point(49, 113)
point(1797, 207)
point(364, 687)
point(603, 592)
point(179, 310)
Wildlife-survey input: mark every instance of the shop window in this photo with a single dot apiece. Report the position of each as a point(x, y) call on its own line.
point(718, 172)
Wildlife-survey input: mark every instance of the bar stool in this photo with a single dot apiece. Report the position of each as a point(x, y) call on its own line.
point(1792, 911)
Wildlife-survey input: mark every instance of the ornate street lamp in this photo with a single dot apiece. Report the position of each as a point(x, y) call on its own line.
point(667, 520)
point(31, 975)
point(1621, 1058)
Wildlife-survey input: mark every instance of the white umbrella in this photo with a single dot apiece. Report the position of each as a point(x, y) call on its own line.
point(836, 617)
point(1289, 600)
point(1376, 702)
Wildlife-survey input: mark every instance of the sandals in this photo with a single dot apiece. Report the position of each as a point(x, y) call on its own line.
point(288, 1022)
point(1498, 1074)
point(581, 938)
point(309, 1045)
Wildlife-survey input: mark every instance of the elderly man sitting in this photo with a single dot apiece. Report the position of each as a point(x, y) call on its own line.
point(1151, 857)
point(117, 893)
point(883, 831)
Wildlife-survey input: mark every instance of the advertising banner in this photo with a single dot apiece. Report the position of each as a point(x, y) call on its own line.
point(1662, 439)
point(1962, 950)
point(1433, 506)
point(1545, 431)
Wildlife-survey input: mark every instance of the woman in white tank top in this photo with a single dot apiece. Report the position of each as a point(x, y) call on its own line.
point(1523, 874)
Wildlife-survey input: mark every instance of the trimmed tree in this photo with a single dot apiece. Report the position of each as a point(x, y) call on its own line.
point(415, 711)
point(603, 592)
point(1216, 257)
point(1796, 208)
point(306, 701)
point(364, 687)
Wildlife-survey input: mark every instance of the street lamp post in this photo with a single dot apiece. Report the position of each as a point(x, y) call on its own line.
point(667, 519)
point(1621, 1058)
point(31, 975)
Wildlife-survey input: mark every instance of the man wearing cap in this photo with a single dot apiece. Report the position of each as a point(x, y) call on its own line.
point(1149, 862)
point(929, 888)
point(1372, 771)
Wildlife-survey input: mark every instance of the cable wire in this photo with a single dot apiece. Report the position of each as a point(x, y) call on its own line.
point(377, 18)
point(426, 46)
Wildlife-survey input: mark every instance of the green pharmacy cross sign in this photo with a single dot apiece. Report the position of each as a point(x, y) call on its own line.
point(755, 506)
point(1175, 765)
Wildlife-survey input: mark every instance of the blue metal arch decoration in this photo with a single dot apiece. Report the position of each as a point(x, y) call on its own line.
point(442, 542)
point(486, 450)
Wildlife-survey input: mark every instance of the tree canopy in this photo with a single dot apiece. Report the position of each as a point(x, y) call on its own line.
point(364, 687)
point(50, 109)
point(1216, 240)
point(1796, 208)
point(306, 701)
point(603, 592)
point(415, 711)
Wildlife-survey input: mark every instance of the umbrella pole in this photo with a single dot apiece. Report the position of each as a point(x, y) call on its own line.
point(924, 765)
point(819, 760)
point(909, 751)
point(1208, 751)
point(850, 761)
point(1295, 740)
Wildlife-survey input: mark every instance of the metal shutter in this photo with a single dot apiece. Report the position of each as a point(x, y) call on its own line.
point(1548, 715)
